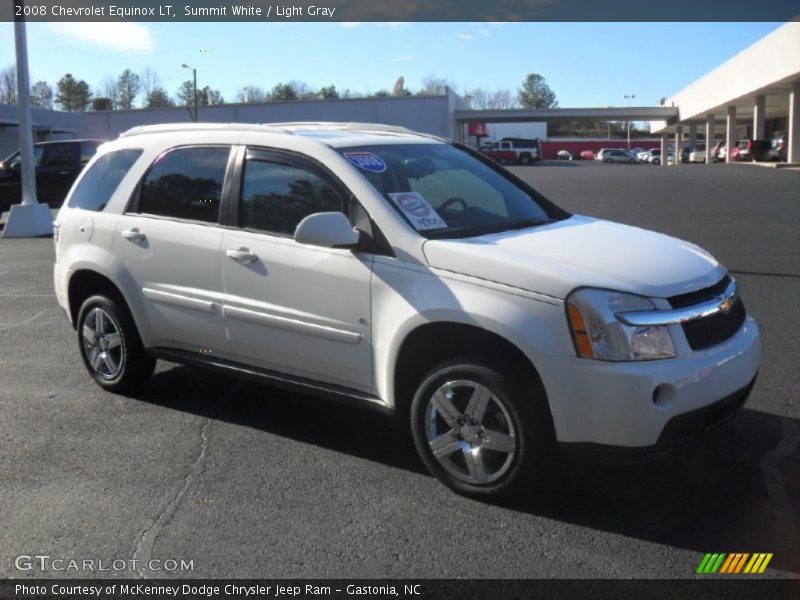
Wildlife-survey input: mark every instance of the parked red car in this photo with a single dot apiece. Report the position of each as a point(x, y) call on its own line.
point(587, 155)
point(747, 150)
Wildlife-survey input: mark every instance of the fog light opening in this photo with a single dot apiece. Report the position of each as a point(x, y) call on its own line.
point(663, 395)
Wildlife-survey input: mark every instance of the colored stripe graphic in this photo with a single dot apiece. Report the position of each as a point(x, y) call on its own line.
point(703, 563)
point(722, 563)
point(765, 563)
point(711, 563)
point(727, 564)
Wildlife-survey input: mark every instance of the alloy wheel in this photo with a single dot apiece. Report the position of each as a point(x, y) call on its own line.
point(470, 432)
point(102, 344)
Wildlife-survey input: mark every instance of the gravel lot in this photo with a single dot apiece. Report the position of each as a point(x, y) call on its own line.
point(254, 482)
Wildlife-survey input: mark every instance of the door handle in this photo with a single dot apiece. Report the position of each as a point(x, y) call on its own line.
point(242, 255)
point(134, 235)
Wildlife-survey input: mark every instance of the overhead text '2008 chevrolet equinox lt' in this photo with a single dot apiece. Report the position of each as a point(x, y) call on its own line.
point(398, 270)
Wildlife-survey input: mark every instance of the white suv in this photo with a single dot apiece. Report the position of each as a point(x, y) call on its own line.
point(399, 271)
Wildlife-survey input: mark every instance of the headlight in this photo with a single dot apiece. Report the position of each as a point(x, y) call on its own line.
point(598, 334)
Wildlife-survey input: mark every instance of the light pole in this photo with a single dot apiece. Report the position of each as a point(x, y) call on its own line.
point(29, 218)
point(629, 97)
point(194, 86)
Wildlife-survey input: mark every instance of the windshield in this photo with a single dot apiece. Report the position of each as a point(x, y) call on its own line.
point(446, 191)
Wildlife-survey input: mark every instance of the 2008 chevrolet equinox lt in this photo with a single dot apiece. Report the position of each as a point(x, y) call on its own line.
point(398, 270)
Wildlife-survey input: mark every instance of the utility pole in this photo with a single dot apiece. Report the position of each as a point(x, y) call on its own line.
point(629, 97)
point(28, 219)
point(194, 87)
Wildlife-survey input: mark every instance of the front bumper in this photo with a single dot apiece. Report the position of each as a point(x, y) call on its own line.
point(677, 430)
point(641, 405)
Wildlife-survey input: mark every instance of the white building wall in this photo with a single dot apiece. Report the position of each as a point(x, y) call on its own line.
point(498, 131)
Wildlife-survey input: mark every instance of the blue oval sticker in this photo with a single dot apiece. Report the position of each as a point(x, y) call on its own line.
point(366, 161)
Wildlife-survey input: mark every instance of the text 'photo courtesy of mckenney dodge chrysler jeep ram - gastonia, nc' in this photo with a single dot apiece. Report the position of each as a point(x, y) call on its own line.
point(403, 272)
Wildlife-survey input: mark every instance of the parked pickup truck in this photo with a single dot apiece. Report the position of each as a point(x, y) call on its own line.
point(504, 157)
point(513, 151)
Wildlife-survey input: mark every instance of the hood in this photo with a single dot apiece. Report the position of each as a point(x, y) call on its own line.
point(555, 259)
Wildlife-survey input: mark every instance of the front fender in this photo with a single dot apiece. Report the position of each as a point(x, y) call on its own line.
point(405, 297)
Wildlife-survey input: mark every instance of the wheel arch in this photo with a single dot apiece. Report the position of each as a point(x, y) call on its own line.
point(433, 342)
point(86, 282)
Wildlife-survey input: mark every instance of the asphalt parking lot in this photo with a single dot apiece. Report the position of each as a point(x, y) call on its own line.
point(250, 481)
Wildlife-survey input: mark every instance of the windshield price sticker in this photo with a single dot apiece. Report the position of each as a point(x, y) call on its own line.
point(366, 161)
point(419, 212)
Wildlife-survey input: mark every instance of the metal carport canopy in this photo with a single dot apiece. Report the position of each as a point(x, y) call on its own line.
point(551, 115)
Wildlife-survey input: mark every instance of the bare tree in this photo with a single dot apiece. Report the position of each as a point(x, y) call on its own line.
point(149, 81)
point(8, 85)
point(251, 94)
point(433, 85)
point(109, 89)
point(481, 98)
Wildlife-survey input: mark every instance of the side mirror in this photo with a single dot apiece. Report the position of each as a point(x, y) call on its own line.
point(326, 229)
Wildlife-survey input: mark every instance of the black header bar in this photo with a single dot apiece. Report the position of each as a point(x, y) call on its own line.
point(255, 11)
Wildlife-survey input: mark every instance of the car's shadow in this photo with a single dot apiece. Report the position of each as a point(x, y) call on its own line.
point(730, 491)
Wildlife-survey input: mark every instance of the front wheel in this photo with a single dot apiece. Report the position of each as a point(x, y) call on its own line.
point(110, 345)
point(481, 433)
point(525, 159)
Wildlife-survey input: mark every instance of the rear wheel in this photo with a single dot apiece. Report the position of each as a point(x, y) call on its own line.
point(503, 160)
point(480, 432)
point(110, 345)
point(525, 159)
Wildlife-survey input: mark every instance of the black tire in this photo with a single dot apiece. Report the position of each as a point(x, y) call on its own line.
point(524, 407)
point(503, 161)
point(134, 366)
point(525, 159)
point(608, 160)
point(631, 161)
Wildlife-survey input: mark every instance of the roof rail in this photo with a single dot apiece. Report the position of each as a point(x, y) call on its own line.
point(286, 128)
point(347, 126)
point(169, 127)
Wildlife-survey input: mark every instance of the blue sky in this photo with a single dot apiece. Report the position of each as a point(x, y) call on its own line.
point(586, 64)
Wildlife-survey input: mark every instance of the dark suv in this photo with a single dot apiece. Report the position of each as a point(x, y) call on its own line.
point(57, 166)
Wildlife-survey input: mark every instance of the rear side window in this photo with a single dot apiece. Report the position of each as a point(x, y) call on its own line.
point(186, 183)
point(102, 179)
point(276, 196)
